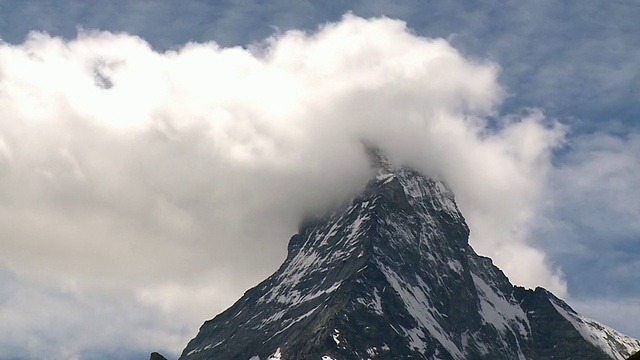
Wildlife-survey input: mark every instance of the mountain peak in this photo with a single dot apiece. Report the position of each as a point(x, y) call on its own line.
point(377, 158)
point(391, 275)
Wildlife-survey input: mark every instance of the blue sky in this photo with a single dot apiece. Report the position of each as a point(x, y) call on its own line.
point(575, 64)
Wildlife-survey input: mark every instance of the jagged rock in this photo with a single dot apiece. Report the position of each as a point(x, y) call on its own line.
point(157, 356)
point(392, 276)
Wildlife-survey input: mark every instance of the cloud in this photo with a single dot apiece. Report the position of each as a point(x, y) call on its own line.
point(554, 55)
point(592, 226)
point(173, 177)
point(601, 175)
point(67, 320)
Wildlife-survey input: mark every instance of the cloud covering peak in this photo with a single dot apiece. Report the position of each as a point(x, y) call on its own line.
point(160, 174)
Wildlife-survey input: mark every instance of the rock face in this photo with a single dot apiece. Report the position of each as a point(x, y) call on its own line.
point(392, 276)
point(156, 356)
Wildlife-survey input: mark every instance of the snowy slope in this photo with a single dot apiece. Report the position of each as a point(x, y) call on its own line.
point(615, 344)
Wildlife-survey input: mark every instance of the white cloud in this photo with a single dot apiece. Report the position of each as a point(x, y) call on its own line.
point(127, 170)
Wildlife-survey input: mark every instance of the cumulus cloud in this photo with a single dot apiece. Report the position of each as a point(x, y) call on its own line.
point(154, 175)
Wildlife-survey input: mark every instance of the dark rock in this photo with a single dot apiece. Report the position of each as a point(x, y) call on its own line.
point(157, 356)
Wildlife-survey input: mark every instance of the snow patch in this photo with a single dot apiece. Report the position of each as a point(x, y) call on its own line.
point(293, 322)
point(335, 335)
point(355, 226)
point(196, 350)
point(332, 232)
point(504, 315)
point(416, 336)
point(276, 356)
point(445, 197)
point(372, 351)
point(210, 346)
point(377, 302)
point(385, 177)
point(418, 305)
point(455, 266)
point(374, 304)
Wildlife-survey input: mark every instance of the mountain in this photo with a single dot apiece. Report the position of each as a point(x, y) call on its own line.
point(392, 276)
point(156, 356)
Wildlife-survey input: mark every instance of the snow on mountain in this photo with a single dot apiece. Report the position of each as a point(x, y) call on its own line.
point(392, 276)
point(615, 344)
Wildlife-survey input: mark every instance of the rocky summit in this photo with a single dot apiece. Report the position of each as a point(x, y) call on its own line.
point(392, 276)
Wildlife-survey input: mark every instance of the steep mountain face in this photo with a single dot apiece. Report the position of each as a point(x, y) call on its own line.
point(392, 276)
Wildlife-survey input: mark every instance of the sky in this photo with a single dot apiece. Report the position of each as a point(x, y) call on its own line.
point(156, 156)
